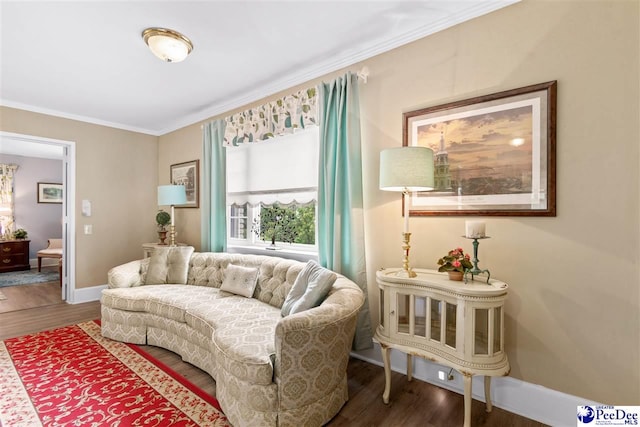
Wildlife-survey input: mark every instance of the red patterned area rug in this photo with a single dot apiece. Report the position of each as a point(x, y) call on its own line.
point(72, 376)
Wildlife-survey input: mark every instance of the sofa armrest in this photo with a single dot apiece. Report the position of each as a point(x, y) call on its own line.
point(128, 275)
point(312, 347)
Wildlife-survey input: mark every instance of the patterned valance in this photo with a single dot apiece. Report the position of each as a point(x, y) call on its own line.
point(6, 182)
point(8, 169)
point(282, 116)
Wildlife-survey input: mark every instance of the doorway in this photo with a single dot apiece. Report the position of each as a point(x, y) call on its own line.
point(35, 146)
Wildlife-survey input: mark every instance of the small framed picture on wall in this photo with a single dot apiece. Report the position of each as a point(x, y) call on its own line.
point(49, 192)
point(187, 174)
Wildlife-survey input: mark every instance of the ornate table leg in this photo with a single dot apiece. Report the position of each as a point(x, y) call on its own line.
point(409, 368)
point(487, 392)
point(387, 372)
point(467, 399)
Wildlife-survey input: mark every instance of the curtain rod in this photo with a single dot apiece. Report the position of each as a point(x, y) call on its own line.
point(363, 74)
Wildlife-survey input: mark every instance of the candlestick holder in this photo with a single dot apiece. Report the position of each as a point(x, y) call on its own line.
point(475, 270)
point(406, 270)
point(172, 234)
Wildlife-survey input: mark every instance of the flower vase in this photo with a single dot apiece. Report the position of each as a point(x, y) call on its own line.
point(455, 275)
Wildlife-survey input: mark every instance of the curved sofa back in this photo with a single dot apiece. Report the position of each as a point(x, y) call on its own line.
point(275, 279)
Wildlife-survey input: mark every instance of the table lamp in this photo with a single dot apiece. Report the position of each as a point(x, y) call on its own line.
point(172, 195)
point(406, 169)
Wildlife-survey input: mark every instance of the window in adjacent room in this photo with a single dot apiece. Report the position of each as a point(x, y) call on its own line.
point(272, 192)
point(238, 221)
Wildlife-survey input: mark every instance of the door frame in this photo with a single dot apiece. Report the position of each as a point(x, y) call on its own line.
point(68, 207)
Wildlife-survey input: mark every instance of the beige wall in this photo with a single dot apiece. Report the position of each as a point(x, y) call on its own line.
point(115, 169)
point(177, 147)
point(572, 316)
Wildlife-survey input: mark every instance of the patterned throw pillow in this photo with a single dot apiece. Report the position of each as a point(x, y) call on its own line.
point(169, 265)
point(310, 288)
point(240, 280)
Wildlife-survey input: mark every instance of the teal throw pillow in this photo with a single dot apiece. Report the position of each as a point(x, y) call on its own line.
point(310, 288)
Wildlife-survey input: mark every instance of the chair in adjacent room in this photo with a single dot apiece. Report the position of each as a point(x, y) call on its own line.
point(53, 250)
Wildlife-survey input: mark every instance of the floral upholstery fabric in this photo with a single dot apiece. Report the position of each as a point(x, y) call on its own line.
point(207, 317)
point(128, 275)
point(172, 301)
point(275, 278)
point(246, 349)
point(240, 280)
point(128, 299)
point(169, 264)
point(269, 370)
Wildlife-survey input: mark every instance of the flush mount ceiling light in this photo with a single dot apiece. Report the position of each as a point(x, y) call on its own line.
point(168, 45)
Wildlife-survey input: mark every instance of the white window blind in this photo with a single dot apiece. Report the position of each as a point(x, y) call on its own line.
point(280, 170)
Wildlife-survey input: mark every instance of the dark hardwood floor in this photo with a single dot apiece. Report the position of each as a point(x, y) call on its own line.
point(414, 403)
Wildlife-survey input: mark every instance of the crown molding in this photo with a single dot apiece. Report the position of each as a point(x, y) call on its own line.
point(333, 64)
point(295, 78)
point(84, 119)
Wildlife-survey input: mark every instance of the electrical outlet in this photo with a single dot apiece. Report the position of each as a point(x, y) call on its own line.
point(443, 376)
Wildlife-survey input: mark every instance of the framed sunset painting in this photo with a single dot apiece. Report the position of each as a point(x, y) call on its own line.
point(493, 154)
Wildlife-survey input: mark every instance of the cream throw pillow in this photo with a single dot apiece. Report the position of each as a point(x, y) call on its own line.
point(309, 290)
point(240, 280)
point(169, 265)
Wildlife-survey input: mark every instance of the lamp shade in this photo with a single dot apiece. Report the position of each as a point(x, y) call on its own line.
point(406, 169)
point(171, 195)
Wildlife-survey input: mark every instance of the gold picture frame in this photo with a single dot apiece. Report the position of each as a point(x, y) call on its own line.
point(493, 154)
point(187, 174)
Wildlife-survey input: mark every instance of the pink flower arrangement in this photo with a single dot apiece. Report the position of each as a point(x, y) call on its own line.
point(455, 260)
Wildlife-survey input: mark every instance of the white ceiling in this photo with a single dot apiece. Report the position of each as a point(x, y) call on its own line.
point(86, 60)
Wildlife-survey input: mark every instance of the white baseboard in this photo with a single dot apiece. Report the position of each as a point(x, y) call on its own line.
point(87, 294)
point(532, 401)
point(46, 262)
point(79, 295)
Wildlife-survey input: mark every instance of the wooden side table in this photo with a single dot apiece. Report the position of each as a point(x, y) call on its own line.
point(14, 255)
point(147, 248)
point(456, 324)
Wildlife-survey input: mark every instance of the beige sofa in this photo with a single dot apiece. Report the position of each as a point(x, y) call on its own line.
point(270, 370)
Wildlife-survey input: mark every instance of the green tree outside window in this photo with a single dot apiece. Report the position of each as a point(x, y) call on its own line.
point(286, 224)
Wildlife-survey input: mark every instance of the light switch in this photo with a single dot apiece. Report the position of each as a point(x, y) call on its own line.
point(86, 208)
point(88, 229)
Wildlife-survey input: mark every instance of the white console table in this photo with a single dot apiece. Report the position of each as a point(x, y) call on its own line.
point(456, 324)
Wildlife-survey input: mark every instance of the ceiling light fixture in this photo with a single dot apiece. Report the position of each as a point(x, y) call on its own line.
point(168, 45)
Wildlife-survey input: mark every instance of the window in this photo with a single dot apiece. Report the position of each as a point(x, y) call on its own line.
point(272, 192)
point(238, 221)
